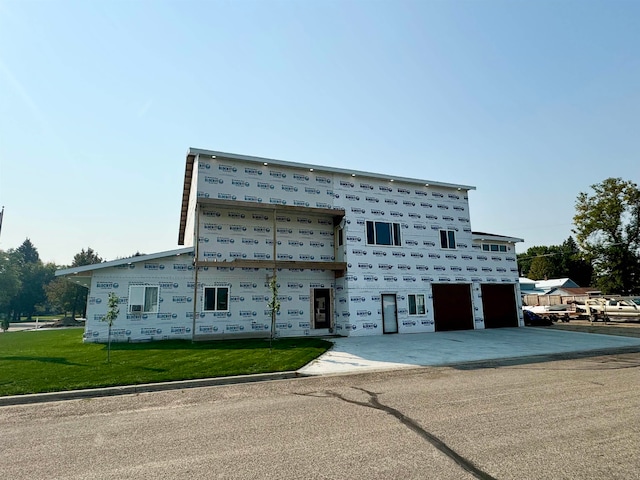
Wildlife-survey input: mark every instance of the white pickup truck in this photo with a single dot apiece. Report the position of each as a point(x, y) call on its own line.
point(608, 308)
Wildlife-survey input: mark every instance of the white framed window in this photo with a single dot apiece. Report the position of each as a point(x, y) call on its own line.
point(416, 304)
point(447, 239)
point(144, 299)
point(494, 247)
point(383, 233)
point(215, 299)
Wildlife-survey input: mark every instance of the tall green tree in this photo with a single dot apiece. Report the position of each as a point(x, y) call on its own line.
point(67, 297)
point(542, 268)
point(607, 228)
point(525, 260)
point(86, 257)
point(28, 252)
point(573, 264)
point(9, 285)
point(34, 275)
point(556, 261)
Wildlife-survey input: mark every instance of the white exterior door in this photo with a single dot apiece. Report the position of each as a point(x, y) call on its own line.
point(389, 313)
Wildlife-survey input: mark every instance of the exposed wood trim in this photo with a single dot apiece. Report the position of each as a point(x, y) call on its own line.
point(186, 193)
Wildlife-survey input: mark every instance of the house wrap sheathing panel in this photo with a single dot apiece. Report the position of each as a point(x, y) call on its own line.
point(247, 314)
point(318, 217)
point(421, 211)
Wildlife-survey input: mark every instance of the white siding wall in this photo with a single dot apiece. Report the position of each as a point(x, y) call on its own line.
point(229, 233)
point(251, 182)
point(419, 262)
point(172, 274)
point(248, 296)
point(422, 211)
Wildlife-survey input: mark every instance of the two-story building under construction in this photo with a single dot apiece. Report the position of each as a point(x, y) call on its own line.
point(353, 253)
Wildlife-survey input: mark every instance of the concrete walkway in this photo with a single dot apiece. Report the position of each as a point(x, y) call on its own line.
point(384, 352)
point(18, 327)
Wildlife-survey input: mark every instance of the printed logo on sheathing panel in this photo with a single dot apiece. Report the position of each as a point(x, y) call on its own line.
point(369, 326)
point(409, 323)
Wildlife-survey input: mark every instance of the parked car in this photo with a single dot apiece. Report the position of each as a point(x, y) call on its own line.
point(532, 319)
point(618, 308)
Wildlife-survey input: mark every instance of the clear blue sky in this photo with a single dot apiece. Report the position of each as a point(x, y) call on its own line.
point(531, 102)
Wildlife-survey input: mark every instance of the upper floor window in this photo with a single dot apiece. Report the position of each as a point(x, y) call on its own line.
point(447, 239)
point(383, 233)
point(216, 299)
point(494, 247)
point(144, 299)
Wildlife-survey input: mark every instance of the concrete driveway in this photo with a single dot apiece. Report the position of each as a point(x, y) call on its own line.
point(360, 354)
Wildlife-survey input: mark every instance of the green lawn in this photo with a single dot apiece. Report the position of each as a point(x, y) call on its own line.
point(56, 360)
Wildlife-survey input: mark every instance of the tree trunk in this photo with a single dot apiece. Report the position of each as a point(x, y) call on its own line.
point(109, 345)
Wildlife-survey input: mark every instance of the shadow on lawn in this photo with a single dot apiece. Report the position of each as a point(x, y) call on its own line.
point(58, 360)
point(249, 344)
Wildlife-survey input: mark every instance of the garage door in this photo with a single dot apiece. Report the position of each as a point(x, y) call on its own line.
point(499, 306)
point(452, 307)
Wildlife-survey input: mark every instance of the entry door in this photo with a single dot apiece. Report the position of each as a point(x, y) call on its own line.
point(389, 313)
point(322, 308)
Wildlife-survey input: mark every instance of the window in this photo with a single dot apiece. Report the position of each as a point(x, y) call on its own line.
point(216, 299)
point(447, 239)
point(383, 233)
point(144, 299)
point(492, 247)
point(416, 304)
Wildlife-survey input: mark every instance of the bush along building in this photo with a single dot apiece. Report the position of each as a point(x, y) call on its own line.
point(353, 253)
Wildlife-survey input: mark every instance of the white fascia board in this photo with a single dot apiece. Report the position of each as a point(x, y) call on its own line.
point(123, 261)
point(321, 168)
point(495, 238)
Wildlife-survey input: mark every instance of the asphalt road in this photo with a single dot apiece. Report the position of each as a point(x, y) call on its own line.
point(571, 419)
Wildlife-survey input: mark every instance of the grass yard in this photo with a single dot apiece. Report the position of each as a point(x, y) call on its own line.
point(57, 360)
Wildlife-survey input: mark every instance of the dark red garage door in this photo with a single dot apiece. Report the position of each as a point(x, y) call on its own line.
point(499, 305)
point(452, 307)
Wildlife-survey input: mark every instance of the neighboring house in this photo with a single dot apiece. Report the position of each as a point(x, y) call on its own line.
point(548, 286)
point(354, 253)
point(528, 287)
point(587, 292)
point(553, 292)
